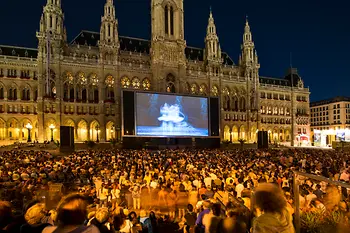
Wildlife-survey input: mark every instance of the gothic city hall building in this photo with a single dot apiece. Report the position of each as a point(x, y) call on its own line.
point(80, 83)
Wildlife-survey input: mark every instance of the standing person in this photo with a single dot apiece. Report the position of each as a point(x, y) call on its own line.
point(193, 196)
point(211, 221)
point(104, 196)
point(182, 203)
point(115, 193)
point(275, 218)
point(162, 198)
point(199, 221)
point(172, 202)
point(136, 197)
point(190, 219)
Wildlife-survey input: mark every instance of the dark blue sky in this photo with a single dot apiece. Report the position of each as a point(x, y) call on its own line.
point(316, 32)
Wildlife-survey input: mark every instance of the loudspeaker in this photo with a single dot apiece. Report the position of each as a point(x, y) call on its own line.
point(66, 139)
point(263, 141)
point(214, 117)
point(129, 112)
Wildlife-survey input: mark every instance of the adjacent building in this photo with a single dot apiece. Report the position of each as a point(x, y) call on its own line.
point(79, 83)
point(330, 120)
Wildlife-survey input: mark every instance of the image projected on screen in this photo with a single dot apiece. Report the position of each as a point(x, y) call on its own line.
point(169, 115)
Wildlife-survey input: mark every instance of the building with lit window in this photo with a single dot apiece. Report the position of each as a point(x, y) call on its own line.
point(79, 83)
point(330, 120)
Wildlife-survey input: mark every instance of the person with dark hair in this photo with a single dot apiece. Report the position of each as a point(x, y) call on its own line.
point(199, 222)
point(318, 192)
point(190, 219)
point(275, 218)
point(235, 222)
point(71, 215)
point(212, 220)
point(6, 217)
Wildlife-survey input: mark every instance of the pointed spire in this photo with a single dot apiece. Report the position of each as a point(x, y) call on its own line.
point(213, 50)
point(247, 32)
point(109, 26)
point(249, 54)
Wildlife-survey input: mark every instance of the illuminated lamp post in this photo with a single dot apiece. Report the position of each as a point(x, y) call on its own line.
point(97, 131)
point(52, 127)
point(29, 127)
point(112, 132)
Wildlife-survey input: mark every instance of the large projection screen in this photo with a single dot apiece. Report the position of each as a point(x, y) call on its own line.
point(159, 115)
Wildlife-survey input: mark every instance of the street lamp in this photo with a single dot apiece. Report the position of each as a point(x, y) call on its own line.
point(112, 132)
point(97, 131)
point(29, 127)
point(52, 127)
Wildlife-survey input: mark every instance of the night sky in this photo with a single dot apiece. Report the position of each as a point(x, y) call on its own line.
point(317, 33)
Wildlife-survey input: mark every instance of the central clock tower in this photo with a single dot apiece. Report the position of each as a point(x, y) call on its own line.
point(168, 45)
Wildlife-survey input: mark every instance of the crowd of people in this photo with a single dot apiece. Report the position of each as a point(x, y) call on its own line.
point(204, 191)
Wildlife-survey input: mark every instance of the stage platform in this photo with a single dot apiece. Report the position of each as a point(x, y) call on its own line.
point(170, 143)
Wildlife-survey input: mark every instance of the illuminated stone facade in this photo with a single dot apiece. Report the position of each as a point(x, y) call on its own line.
point(86, 76)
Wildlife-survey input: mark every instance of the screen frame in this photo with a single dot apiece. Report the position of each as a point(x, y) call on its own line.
point(171, 94)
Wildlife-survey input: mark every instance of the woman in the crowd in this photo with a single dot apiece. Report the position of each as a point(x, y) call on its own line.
point(101, 221)
point(37, 218)
point(274, 218)
point(71, 215)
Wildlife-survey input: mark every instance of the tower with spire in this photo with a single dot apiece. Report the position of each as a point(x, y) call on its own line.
point(249, 55)
point(249, 68)
point(109, 40)
point(212, 45)
point(52, 30)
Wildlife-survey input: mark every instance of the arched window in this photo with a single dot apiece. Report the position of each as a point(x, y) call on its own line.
point(203, 89)
point(84, 95)
point(24, 93)
point(65, 92)
point(171, 21)
point(10, 94)
point(146, 84)
point(235, 103)
point(96, 95)
point(170, 87)
point(15, 94)
point(125, 82)
point(136, 83)
point(71, 93)
point(215, 91)
point(28, 94)
point(1, 93)
point(109, 87)
point(194, 88)
point(166, 21)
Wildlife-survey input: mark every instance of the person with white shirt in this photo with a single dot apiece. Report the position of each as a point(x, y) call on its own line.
point(103, 196)
point(115, 192)
point(239, 188)
point(207, 181)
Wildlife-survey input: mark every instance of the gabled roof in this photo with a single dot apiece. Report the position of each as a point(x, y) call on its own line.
point(138, 45)
point(14, 51)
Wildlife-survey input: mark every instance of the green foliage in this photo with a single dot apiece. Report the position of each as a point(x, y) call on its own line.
point(114, 142)
point(57, 143)
point(90, 144)
point(322, 222)
point(241, 140)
